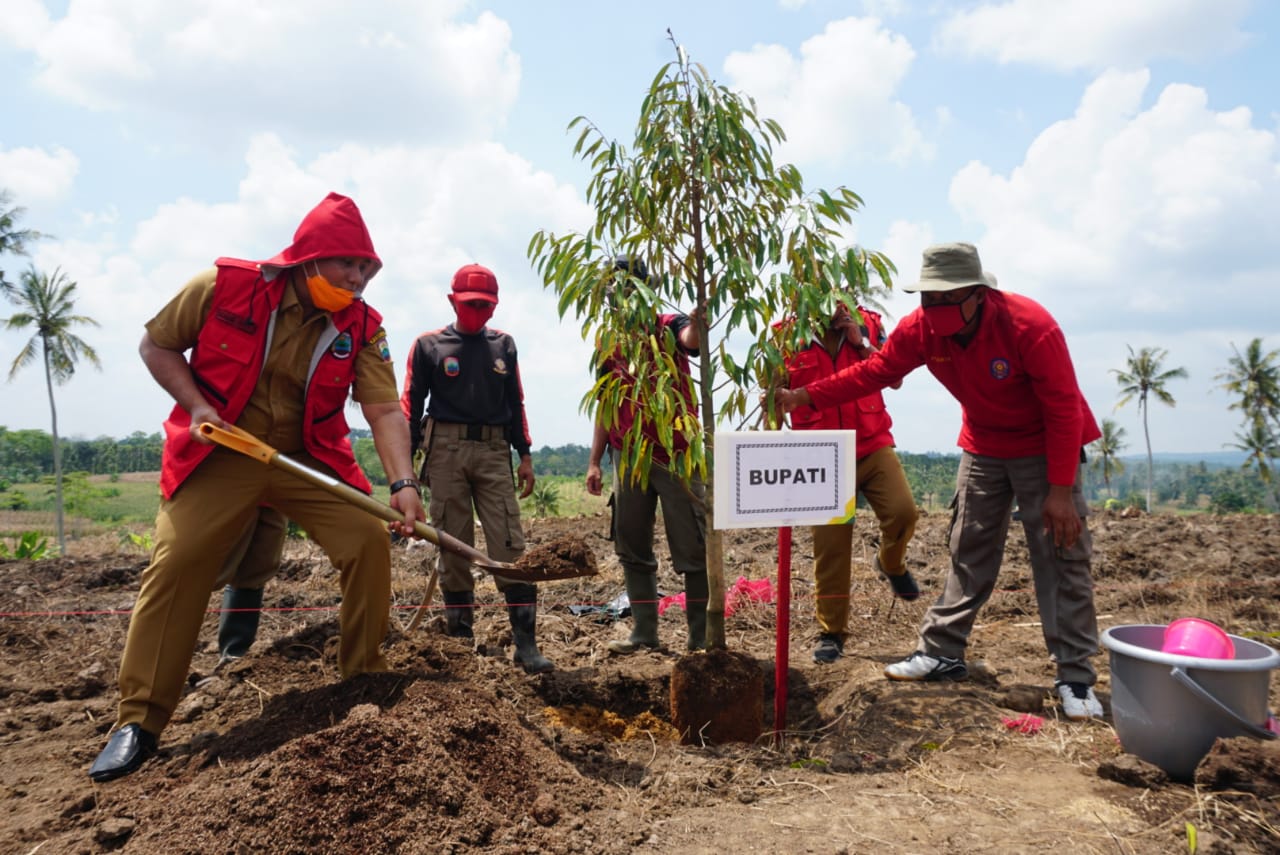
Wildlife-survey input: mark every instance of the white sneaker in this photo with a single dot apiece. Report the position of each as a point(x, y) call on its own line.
point(1079, 703)
point(926, 668)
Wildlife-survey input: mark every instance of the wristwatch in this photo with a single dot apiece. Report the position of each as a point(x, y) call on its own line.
point(397, 486)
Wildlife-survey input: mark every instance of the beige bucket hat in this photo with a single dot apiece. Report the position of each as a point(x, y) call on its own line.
point(949, 266)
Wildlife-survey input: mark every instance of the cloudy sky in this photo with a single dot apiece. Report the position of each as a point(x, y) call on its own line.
point(1115, 161)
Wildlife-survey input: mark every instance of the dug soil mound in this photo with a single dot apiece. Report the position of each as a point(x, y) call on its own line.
point(457, 750)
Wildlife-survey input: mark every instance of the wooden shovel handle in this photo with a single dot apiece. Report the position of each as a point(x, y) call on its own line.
point(239, 440)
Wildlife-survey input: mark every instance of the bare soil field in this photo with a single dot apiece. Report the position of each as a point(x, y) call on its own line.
point(457, 750)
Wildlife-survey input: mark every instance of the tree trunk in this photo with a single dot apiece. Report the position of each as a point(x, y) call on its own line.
point(57, 454)
point(1146, 432)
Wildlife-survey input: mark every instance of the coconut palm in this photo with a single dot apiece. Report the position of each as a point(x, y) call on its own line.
point(12, 239)
point(1255, 378)
point(1261, 446)
point(47, 304)
point(1145, 378)
point(1106, 450)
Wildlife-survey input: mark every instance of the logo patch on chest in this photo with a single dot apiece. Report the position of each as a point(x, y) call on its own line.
point(500, 366)
point(451, 366)
point(341, 347)
point(1000, 368)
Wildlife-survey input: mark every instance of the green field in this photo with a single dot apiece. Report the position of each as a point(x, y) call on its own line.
point(99, 504)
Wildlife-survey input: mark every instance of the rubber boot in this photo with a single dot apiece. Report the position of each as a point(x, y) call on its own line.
point(460, 613)
point(695, 605)
point(642, 590)
point(238, 621)
point(522, 609)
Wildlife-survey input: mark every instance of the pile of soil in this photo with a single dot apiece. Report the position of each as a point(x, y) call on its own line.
point(457, 750)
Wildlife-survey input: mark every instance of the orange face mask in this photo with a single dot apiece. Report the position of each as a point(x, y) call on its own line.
point(326, 295)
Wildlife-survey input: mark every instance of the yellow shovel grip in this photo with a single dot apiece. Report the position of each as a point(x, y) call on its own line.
point(238, 440)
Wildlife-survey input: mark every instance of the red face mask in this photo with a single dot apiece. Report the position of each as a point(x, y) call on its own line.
point(946, 319)
point(472, 319)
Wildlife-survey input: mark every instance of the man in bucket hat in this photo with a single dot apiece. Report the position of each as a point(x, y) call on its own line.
point(274, 348)
point(1024, 428)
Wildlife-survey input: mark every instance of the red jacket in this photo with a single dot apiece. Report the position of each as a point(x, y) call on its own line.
point(1014, 381)
point(867, 415)
point(228, 358)
point(674, 323)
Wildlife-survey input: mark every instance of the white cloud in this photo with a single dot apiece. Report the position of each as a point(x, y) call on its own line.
point(23, 23)
point(1141, 225)
point(1094, 34)
point(838, 98)
point(34, 175)
point(1136, 209)
point(257, 66)
point(429, 211)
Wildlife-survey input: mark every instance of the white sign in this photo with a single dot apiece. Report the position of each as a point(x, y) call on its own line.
point(765, 479)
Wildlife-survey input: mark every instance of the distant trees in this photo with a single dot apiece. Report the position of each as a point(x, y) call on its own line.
point(46, 305)
point(1143, 378)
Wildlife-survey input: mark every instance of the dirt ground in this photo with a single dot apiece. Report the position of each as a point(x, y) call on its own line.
point(459, 751)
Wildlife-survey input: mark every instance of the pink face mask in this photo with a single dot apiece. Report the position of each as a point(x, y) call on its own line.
point(472, 319)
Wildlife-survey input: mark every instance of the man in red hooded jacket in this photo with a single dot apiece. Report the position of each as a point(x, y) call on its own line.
point(1024, 427)
point(846, 341)
point(274, 348)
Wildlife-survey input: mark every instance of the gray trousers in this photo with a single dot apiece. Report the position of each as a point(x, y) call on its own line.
point(635, 513)
point(986, 488)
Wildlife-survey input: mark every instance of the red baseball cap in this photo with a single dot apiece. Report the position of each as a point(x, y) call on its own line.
point(475, 282)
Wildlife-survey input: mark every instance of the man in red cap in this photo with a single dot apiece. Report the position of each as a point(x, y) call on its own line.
point(465, 405)
point(274, 348)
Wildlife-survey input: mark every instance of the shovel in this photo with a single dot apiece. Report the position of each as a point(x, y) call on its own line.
point(239, 440)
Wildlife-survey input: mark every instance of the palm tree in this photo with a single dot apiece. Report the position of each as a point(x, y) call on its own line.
point(1106, 451)
point(12, 239)
point(1261, 445)
point(1143, 379)
point(1255, 378)
point(47, 304)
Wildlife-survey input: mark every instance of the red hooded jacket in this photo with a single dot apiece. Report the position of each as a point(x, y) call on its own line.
point(235, 337)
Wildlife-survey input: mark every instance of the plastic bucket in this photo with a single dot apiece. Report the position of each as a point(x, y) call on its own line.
point(1168, 708)
point(1195, 637)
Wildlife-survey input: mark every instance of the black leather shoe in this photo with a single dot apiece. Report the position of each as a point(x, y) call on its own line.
point(126, 750)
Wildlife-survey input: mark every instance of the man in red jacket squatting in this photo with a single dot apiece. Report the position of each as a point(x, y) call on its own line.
point(1024, 428)
point(275, 347)
point(848, 340)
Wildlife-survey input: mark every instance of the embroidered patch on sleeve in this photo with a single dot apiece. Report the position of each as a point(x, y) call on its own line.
point(379, 341)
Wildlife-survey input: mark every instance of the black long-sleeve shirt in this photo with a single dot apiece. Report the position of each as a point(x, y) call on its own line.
point(469, 379)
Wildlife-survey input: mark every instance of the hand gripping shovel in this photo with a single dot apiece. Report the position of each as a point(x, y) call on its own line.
point(526, 570)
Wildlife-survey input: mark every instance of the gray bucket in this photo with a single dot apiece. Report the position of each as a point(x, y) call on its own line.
point(1169, 709)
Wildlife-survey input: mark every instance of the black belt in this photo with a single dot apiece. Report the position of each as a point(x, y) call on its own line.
point(473, 433)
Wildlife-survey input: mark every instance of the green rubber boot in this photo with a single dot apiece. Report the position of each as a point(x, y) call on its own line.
point(238, 621)
point(642, 590)
point(522, 609)
point(695, 608)
point(460, 613)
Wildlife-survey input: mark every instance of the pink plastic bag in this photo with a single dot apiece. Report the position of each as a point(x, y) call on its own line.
point(669, 601)
point(747, 591)
point(742, 591)
point(1025, 723)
